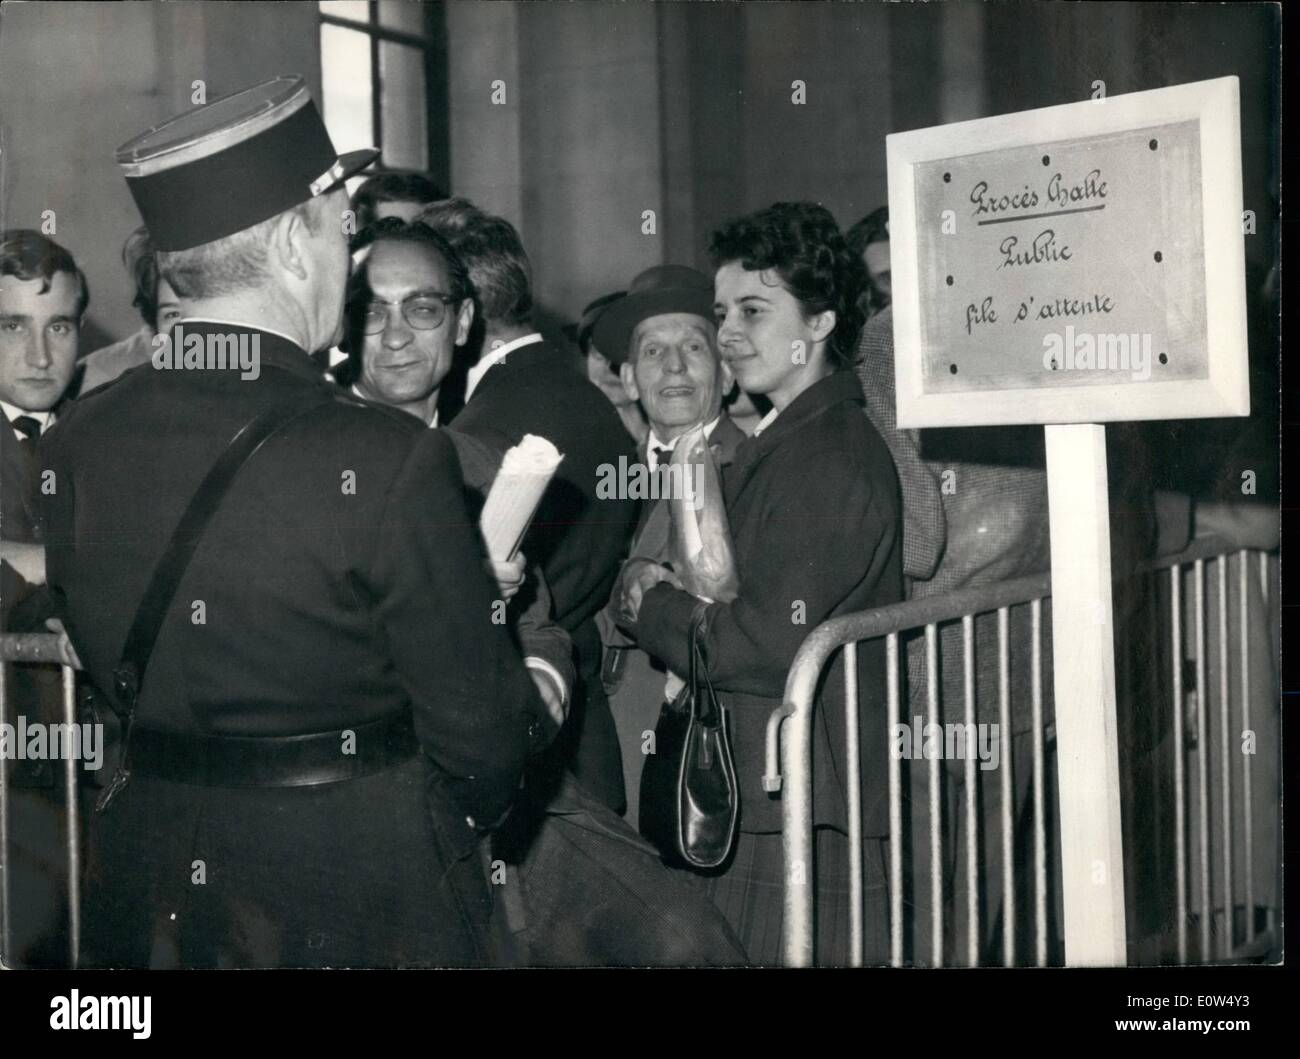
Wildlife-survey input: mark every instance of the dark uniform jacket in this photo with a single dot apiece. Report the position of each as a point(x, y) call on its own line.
point(578, 538)
point(814, 513)
point(340, 581)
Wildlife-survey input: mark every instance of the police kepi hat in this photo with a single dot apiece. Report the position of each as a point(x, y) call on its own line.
point(232, 163)
point(658, 290)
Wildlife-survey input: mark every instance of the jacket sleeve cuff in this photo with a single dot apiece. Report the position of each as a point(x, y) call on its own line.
point(533, 662)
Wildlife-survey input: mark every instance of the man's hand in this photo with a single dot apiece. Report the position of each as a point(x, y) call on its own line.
point(67, 653)
point(637, 578)
point(28, 560)
point(509, 576)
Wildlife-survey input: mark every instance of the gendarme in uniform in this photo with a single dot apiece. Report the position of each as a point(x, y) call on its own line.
point(329, 717)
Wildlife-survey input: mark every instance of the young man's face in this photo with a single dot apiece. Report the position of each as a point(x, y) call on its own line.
point(403, 364)
point(38, 339)
point(674, 371)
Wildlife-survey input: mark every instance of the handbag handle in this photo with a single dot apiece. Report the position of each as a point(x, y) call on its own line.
point(698, 670)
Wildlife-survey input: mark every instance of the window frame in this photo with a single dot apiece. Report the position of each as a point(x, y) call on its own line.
point(434, 46)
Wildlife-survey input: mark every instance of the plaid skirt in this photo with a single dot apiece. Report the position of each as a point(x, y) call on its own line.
point(750, 893)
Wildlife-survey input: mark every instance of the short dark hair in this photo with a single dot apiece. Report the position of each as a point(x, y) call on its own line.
point(29, 255)
point(142, 267)
point(451, 217)
point(396, 230)
point(873, 228)
point(393, 185)
point(802, 242)
point(494, 254)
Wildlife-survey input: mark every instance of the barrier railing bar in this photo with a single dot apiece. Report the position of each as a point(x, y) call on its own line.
point(895, 810)
point(854, 756)
point(1202, 779)
point(70, 817)
point(1180, 751)
point(1248, 839)
point(1004, 719)
point(1225, 779)
point(972, 796)
point(936, 823)
point(1040, 799)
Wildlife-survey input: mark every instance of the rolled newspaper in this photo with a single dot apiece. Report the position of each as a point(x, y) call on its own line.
point(516, 491)
point(701, 541)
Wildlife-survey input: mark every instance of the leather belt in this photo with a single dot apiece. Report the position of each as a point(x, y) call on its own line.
point(273, 761)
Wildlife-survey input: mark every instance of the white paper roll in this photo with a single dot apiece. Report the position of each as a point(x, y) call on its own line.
point(525, 472)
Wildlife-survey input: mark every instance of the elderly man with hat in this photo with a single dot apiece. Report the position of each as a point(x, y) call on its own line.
point(280, 591)
point(662, 339)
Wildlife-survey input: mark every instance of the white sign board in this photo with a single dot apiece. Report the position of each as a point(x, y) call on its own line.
point(1076, 264)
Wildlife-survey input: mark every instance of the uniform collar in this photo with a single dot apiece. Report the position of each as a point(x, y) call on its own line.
point(275, 348)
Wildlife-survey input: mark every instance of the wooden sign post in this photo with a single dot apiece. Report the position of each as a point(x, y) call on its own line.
point(1074, 266)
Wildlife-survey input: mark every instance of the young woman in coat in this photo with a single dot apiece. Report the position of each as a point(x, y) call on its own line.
point(813, 505)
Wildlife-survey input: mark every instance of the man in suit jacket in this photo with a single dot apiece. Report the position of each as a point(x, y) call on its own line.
point(43, 296)
point(410, 305)
point(522, 384)
point(330, 718)
point(664, 345)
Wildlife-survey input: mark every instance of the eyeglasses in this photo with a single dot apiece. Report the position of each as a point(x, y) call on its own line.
point(423, 312)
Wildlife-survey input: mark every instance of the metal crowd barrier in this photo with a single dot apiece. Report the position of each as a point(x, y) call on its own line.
point(40, 648)
point(789, 764)
point(789, 740)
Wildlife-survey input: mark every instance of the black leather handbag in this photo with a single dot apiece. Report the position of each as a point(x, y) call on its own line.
point(690, 800)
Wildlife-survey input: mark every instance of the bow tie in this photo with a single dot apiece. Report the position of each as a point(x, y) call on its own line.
point(661, 453)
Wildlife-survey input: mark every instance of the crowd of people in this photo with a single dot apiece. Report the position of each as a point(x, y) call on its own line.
point(486, 809)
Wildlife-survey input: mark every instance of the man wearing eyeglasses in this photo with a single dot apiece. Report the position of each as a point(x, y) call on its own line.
point(410, 306)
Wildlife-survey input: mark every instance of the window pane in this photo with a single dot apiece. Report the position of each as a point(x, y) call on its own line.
point(345, 84)
point(359, 10)
point(404, 106)
point(404, 15)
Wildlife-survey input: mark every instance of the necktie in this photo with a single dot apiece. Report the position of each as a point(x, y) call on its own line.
point(29, 428)
point(660, 454)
